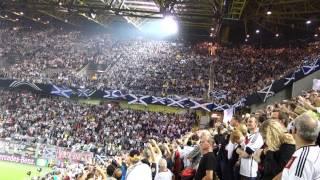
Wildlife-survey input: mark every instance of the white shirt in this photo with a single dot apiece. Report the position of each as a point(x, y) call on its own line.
point(184, 155)
point(304, 164)
point(139, 171)
point(248, 166)
point(164, 175)
point(230, 147)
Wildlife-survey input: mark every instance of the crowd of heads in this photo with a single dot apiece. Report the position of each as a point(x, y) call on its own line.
point(135, 66)
point(144, 66)
point(244, 70)
point(155, 145)
point(53, 121)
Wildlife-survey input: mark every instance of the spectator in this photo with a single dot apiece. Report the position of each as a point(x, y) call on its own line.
point(137, 169)
point(207, 165)
point(253, 142)
point(279, 148)
point(305, 161)
point(164, 173)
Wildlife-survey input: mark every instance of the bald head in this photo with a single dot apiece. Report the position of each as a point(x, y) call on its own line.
point(307, 126)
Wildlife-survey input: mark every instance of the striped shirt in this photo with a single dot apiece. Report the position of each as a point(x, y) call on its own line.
point(304, 164)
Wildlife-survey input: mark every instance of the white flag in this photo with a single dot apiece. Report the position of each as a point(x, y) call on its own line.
point(316, 84)
point(227, 115)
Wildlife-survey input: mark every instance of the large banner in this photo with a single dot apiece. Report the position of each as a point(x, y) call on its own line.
point(17, 159)
point(28, 153)
point(176, 101)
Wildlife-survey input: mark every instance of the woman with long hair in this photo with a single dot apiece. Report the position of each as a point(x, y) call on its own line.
point(279, 147)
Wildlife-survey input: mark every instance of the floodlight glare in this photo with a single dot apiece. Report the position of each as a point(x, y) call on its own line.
point(257, 31)
point(308, 22)
point(269, 13)
point(169, 25)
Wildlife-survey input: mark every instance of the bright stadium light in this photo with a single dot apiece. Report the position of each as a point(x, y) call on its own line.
point(248, 36)
point(308, 22)
point(170, 25)
point(277, 35)
point(269, 12)
point(257, 31)
point(315, 35)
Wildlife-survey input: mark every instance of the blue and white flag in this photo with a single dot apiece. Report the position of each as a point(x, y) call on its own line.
point(159, 100)
point(82, 92)
point(113, 94)
point(177, 102)
point(266, 92)
point(219, 94)
point(199, 105)
point(136, 99)
point(307, 69)
point(220, 107)
point(61, 91)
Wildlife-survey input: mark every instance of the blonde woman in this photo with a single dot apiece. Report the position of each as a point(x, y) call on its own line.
point(279, 148)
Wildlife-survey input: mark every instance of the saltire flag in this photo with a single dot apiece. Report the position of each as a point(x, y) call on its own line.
point(219, 94)
point(307, 69)
point(177, 102)
point(61, 91)
point(199, 105)
point(159, 100)
point(82, 92)
point(220, 107)
point(266, 92)
point(138, 99)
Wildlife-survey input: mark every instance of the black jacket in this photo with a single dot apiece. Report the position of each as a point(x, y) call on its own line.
point(274, 161)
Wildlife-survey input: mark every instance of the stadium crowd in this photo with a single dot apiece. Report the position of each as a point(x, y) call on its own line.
point(50, 120)
point(144, 66)
point(162, 146)
point(138, 66)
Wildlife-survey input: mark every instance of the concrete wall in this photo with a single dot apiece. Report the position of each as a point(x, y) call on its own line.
point(304, 84)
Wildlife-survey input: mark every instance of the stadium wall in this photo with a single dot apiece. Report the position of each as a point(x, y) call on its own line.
point(304, 84)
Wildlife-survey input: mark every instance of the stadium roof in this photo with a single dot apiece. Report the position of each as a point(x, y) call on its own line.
point(226, 20)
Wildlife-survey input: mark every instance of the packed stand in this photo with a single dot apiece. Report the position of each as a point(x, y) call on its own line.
point(244, 70)
point(50, 120)
point(279, 142)
point(135, 66)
